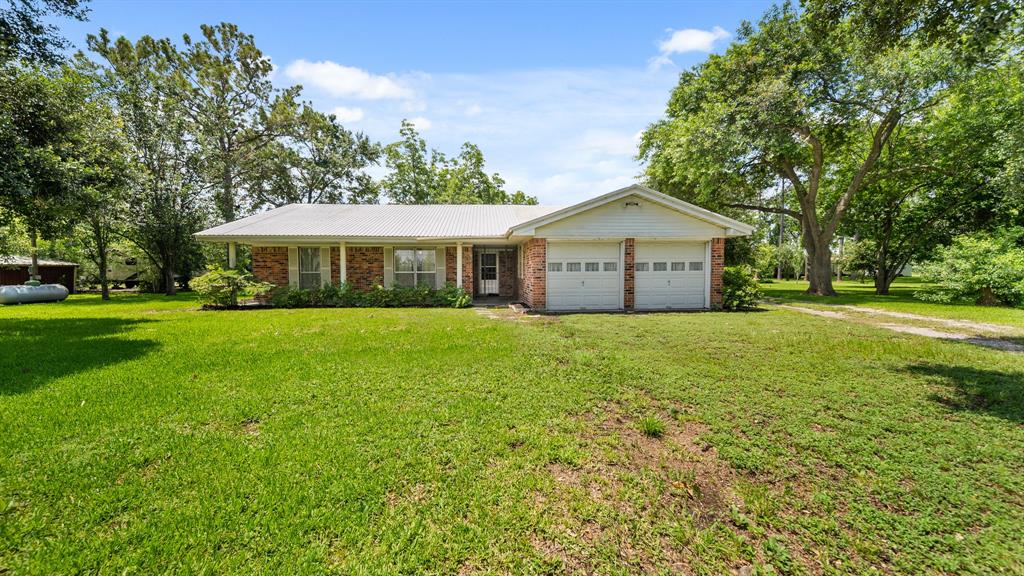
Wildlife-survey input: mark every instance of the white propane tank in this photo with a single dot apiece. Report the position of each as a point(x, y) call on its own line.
point(29, 294)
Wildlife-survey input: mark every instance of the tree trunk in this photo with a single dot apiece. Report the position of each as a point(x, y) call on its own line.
point(104, 283)
point(169, 288)
point(819, 269)
point(33, 270)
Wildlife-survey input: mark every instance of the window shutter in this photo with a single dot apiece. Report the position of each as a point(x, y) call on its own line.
point(441, 265)
point(293, 266)
point(325, 265)
point(389, 266)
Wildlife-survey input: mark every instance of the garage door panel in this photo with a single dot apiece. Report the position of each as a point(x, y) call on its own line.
point(670, 275)
point(583, 275)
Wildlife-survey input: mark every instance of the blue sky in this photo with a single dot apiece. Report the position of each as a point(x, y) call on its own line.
point(555, 93)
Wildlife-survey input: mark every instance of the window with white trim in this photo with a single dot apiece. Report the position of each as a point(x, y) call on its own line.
point(611, 266)
point(696, 266)
point(679, 266)
point(573, 267)
point(309, 268)
point(660, 266)
point(592, 267)
point(415, 267)
point(642, 266)
point(554, 266)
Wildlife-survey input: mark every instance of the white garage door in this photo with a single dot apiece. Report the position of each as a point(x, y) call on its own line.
point(584, 276)
point(670, 275)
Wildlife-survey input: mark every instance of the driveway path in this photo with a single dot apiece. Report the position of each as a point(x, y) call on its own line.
point(978, 333)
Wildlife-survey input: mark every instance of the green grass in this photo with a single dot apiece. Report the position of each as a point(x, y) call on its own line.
point(900, 299)
point(145, 436)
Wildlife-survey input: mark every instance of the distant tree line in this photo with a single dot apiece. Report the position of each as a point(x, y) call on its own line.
point(145, 143)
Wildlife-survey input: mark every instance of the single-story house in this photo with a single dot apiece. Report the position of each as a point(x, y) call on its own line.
point(631, 249)
point(15, 270)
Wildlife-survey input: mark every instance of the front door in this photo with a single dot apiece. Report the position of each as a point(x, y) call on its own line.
point(488, 274)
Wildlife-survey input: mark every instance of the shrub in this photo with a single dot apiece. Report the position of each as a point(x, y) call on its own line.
point(739, 288)
point(222, 288)
point(346, 296)
point(652, 426)
point(983, 268)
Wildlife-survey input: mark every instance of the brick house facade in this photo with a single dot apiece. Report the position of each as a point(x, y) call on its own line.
point(631, 249)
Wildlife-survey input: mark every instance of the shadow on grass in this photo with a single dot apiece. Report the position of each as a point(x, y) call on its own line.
point(998, 393)
point(34, 352)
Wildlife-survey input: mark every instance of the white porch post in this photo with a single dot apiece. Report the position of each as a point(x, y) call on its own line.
point(231, 255)
point(341, 264)
point(458, 264)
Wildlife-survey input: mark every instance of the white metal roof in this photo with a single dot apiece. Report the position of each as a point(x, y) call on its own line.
point(380, 221)
point(17, 261)
point(304, 222)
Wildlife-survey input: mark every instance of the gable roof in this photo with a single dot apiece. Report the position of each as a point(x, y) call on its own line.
point(733, 227)
point(380, 221)
point(435, 221)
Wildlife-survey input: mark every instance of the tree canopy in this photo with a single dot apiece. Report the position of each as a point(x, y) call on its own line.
point(814, 98)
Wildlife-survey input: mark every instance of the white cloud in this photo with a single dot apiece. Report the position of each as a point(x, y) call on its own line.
point(348, 114)
point(692, 40)
point(562, 135)
point(422, 124)
point(346, 81)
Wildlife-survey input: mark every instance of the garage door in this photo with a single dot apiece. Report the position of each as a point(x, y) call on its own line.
point(670, 275)
point(584, 276)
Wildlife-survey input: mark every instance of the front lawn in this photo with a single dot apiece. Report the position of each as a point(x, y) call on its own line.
point(900, 299)
point(145, 436)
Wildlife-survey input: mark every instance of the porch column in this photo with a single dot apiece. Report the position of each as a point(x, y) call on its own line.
point(231, 256)
point(342, 267)
point(458, 264)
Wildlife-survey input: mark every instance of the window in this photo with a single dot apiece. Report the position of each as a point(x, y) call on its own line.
point(660, 266)
point(611, 266)
point(554, 266)
point(696, 266)
point(592, 267)
point(572, 267)
point(415, 268)
point(642, 266)
point(309, 268)
point(679, 266)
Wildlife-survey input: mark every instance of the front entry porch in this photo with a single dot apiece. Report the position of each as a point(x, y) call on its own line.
point(495, 274)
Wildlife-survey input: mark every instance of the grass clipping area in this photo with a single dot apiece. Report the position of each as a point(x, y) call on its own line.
point(145, 436)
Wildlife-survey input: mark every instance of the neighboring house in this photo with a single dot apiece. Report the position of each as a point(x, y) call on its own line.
point(631, 249)
point(15, 270)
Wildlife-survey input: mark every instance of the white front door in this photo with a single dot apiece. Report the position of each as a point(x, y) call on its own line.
point(584, 276)
point(487, 272)
point(670, 275)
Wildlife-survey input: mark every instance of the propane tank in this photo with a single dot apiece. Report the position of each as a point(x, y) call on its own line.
point(29, 294)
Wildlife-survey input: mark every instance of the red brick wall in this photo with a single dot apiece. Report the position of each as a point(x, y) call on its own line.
point(450, 263)
point(364, 266)
point(535, 269)
point(270, 264)
point(335, 264)
point(717, 264)
point(629, 275)
point(507, 274)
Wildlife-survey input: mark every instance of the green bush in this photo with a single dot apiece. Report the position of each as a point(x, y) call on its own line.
point(346, 296)
point(739, 288)
point(984, 268)
point(221, 288)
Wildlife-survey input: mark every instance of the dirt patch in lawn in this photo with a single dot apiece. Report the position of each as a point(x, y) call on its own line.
point(649, 504)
